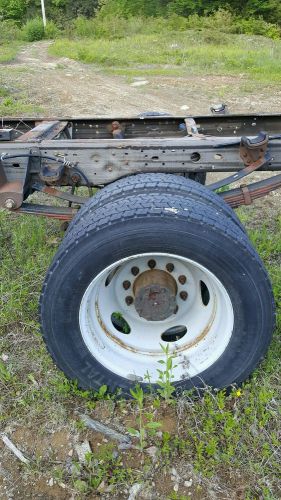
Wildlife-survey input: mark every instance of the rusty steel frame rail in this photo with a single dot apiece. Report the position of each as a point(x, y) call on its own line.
point(44, 156)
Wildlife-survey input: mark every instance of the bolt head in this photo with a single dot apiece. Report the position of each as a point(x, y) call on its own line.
point(182, 279)
point(126, 285)
point(151, 263)
point(170, 267)
point(183, 295)
point(129, 300)
point(10, 204)
point(135, 271)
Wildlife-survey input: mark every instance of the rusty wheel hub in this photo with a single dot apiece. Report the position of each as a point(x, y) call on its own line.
point(155, 295)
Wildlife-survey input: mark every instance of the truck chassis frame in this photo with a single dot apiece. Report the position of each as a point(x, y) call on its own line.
point(46, 154)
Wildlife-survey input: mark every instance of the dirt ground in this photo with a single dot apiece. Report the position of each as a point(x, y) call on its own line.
point(63, 87)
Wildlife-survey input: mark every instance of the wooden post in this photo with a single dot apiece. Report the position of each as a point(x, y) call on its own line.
point(43, 13)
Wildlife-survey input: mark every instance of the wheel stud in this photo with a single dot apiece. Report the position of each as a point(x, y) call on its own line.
point(135, 270)
point(151, 263)
point(182, 279)
point(129, 300)
point(183, 295)
point(126, 285)
point(170, 267)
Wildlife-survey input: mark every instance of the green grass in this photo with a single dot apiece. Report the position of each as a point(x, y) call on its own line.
point(8, 51)
point(234, 438)
point(14, 101)
point(191, 52)
point(16, 105)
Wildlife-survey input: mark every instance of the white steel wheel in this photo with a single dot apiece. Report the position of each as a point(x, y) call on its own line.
point(144, 301)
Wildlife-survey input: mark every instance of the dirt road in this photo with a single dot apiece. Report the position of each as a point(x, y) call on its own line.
point(61, 86)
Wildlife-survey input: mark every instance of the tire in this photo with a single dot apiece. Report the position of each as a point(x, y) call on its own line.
point(153, 183)
point(227, 308)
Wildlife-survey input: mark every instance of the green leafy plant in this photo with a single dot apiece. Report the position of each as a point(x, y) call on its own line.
point(166, 388)
point(51, 30)
point(5, 375)
point(146, 424)
point(104, 465)
point(33, 30)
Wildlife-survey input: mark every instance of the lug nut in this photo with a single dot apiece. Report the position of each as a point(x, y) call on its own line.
point(135, 270)
point(129, 300)
point(170, 267)
point(183, 295)
point(10, 204)
point(126, 285)
point(151, 263)
point(182, 279)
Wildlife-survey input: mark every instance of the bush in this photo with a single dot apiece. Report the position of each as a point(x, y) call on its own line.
point(257, 27)
point(9, 31)
point(84, 27)
point(33, 30)
point(112, 27)
point(221, 21)
point(51, 30)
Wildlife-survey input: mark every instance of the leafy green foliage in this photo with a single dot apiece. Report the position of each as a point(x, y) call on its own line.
point(165, 375)
point(101, 466)
point(33, 30)
point(13, 9)
point(206, 52)
point(9, 31)
point(58, 10)
point(62, 11)
point(270, 10)
point(147, 426)
point(51, 30)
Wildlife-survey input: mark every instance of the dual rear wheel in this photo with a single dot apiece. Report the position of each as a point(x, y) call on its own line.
point(156, 260)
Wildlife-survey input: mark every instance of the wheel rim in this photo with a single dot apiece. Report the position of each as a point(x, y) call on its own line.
point(126, 316)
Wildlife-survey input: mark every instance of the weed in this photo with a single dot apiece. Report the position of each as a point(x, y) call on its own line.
point(12, 102)
point(104, 466)
point(146, 424)
point(5, 375)
point(166, 388)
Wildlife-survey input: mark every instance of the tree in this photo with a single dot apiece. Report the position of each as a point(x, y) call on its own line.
point(13, 9)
